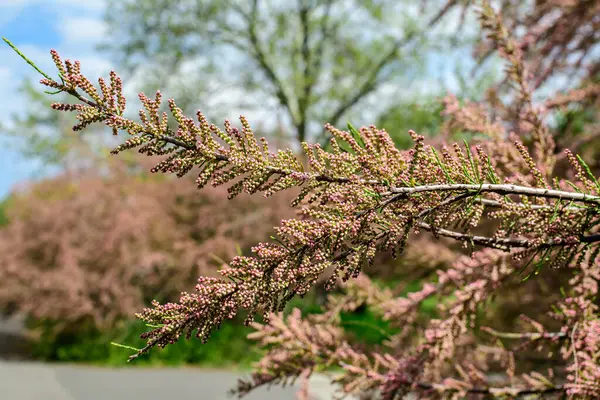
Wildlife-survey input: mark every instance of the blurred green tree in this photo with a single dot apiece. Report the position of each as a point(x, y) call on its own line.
point(423, 112)
point(314, 60)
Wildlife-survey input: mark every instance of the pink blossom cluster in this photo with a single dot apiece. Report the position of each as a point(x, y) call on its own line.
point(84, 248)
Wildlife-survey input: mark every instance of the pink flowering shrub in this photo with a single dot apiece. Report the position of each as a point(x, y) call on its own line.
point(502, 197)
point(83, 247)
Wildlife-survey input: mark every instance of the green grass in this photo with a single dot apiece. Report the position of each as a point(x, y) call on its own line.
point(4, 204)
point(366, 327)
point(228, 347)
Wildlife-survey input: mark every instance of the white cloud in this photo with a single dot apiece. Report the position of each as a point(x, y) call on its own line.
point(89, 4)
point(5, 75)
point(94, 67)
point(82, 29)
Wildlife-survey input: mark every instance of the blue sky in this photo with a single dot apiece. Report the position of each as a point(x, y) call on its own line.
point(72, 27)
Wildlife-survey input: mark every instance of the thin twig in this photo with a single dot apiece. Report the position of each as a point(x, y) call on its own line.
point(575, 352)
point(503, 189)
point(525, 335)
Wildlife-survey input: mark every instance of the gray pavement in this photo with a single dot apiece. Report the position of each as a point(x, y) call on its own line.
point(22, 379)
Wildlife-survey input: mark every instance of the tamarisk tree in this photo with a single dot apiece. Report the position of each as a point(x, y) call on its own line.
point(499, 198)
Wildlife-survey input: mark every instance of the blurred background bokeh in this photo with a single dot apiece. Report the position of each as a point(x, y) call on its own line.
point(88, 239)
